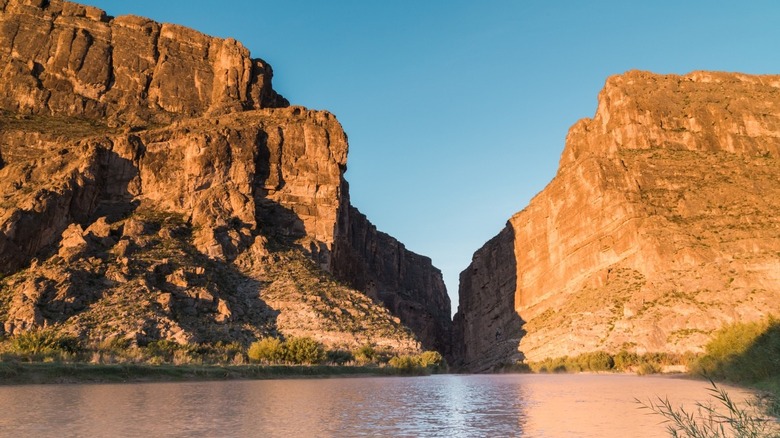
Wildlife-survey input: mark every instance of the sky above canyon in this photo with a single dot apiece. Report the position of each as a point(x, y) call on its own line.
point(457, 111)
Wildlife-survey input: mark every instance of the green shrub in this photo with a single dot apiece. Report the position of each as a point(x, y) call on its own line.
point(648, 363)
point(268, 350)
point(625, 361)
point(405, 363)
point(423, 363)
point(645, 368)
point(743, 353)
point(304, 351)
point(162, 351)
point(515, 367)
point(44, 344)
point(433, 360)
point(550, 365)
point(339, 357)
point(600, 361)
point(221, 352)
point(365, 354)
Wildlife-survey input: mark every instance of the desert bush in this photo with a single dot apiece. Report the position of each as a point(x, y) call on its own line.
point(114, 350)
point(45, 344)
point(432, 360)
point(339, 357)
point(599, 361)
point(304, 351)
point(365, 354)
point(549, 365)
point(268, 350)
point(648, 363)
point(645, 368)
point(625, 361)
point(514, 367)
point(405, 363)
point(743, 353)
point(164, 351)
point(423, 363)
point(221, 352)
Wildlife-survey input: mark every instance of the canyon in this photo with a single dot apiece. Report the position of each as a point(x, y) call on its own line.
point(660, 227)
point(154, 185)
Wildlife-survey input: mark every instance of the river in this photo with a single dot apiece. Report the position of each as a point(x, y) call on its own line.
point(585, 405)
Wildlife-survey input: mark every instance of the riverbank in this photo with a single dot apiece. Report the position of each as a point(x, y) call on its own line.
point(18, 373)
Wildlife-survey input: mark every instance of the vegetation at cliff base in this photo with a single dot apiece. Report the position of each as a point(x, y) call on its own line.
point(301, 351)
point(424, 363)
point(308, 351)
point(43, 345)
point(745, 353)
point(600, 361)
point(45, 355)
point(741, 353)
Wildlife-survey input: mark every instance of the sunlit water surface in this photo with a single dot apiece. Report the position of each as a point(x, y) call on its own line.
point(437, 406)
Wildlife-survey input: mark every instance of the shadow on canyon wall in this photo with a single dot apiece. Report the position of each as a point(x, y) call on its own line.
point(487, 330)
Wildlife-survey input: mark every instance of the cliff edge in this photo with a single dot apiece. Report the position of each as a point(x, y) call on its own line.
point(153, 185)
point(659, 228)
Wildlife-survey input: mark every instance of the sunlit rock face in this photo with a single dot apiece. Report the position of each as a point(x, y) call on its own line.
point(64, 58)
point(660, 226)
point(153, 185)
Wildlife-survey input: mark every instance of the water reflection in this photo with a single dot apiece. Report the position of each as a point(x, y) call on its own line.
point(456, 406)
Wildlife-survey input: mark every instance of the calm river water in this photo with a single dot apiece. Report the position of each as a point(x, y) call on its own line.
point(436, 406)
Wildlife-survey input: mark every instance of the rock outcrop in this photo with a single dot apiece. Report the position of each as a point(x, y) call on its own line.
point(68, 59)
point(659, 227)
point(404, 282)
point(154, 185)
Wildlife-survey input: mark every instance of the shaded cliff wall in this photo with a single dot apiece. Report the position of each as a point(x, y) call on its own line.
point(659, 226)
point(486, 329)
point(406, 283)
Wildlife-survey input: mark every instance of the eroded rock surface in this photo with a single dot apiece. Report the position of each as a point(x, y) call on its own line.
point(659, 228)
point(154, 186)
point(404, 282)
point(67, 59)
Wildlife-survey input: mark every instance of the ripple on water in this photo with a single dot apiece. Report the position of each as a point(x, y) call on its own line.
point(447, 405)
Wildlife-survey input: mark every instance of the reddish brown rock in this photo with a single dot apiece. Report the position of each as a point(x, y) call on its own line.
point(67, 59)
point(659, 228)
point(153, 185)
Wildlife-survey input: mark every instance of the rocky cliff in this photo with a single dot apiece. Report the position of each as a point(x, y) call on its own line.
point(659, 227)
point(154, 185)
point(404, 282)
point(68, 59)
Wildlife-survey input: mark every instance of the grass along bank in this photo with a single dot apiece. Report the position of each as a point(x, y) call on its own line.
point(45, 356)
point(12, 373)
point(744, 354)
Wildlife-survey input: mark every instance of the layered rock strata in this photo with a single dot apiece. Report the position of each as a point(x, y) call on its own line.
point(68, 59)
point(406, 283)
point(659, 227)
point(153, 185)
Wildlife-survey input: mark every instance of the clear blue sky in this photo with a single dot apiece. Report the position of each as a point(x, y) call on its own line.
point(456, 110)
